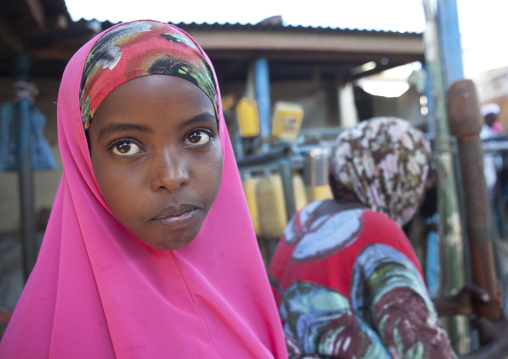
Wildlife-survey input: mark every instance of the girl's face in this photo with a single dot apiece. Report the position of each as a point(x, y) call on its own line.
point(157, 158)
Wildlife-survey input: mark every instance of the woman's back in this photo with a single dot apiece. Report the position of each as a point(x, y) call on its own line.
point(348, 284)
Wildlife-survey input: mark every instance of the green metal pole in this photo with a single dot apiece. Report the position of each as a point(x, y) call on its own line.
point(451, 234)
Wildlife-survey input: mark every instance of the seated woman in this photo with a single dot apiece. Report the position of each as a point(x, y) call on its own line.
point(346, 279)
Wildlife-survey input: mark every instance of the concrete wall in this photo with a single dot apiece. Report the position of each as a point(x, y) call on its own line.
point(406, 107)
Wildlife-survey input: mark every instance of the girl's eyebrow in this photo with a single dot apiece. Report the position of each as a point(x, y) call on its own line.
point(202, 117)
point(120, 127)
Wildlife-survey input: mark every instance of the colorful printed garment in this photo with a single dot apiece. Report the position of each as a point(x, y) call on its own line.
point(345, 277)
point(137, 49)
point(348, 285)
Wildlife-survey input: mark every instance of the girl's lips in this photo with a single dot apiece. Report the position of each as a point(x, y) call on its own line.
point(174, 211)
point(176, 217)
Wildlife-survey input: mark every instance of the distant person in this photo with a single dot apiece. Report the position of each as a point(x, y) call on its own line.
point(490, 113)
point(492, 162)
point(345, 277)
point(149, 251)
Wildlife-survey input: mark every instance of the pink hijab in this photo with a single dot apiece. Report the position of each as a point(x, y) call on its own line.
point(98, 292)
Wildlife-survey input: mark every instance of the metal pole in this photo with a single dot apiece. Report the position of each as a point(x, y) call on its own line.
point(26, 189)
point(451, 235)
point(262, 81)
point(451, 47)
point(287, 183)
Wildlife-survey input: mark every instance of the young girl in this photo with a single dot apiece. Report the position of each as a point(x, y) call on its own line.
point(149, 251)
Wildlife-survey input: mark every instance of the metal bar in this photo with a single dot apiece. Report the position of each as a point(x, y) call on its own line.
point(287, 183)
point(26, 188)
point(451, 236)
point(264, 167)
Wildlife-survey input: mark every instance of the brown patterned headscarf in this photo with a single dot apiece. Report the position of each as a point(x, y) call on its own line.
point(134, 49)
point(384, 162)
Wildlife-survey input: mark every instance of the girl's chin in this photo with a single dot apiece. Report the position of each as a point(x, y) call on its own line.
point(169, 244)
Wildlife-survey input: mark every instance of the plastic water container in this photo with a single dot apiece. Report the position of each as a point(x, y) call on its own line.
point(248, 117)
point(250, 187)
point(287, 120)
point(318, 193)
point(271, 206)
point(300, 192)
point(316, 174)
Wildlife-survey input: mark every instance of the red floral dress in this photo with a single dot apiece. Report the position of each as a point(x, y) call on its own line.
point(348, 285)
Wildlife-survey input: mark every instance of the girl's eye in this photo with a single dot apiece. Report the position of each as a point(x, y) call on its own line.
point(125, 148)
point(198, 137)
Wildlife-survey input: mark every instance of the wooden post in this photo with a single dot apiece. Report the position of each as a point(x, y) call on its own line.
point(465, 124)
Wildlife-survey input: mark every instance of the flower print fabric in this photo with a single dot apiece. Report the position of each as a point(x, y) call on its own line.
point(138, 49)
point(384, 162)
point(321, 237)
point(353, 293)
point(322, 320)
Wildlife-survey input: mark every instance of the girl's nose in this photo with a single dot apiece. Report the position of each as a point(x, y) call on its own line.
point(170, 172)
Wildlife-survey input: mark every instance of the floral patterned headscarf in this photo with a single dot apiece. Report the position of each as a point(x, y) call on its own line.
point(137, 49)
point(384, 162)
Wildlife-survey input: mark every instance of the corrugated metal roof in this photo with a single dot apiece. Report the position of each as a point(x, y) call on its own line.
point(289, 28)
point(298, 51)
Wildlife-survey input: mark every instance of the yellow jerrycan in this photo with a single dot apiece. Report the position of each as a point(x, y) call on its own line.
point(271, 206)
point(248, 117)
point(316, 174)
point(287, 120)
point(249, 187)
point(299, 191)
